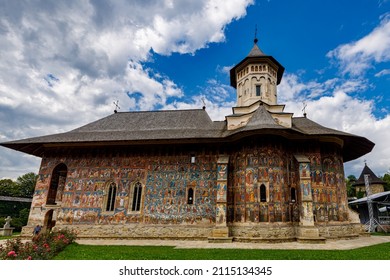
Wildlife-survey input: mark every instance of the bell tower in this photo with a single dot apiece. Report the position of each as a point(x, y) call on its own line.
point(255, 78)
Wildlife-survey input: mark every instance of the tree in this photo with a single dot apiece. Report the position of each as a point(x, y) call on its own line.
point(26, 184)
point(386, 179)
point(351, 192)
point(8, 187)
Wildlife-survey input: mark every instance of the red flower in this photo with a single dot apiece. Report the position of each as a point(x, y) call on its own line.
point(11, 254)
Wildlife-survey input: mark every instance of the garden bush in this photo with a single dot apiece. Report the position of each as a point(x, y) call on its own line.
point(43, 246)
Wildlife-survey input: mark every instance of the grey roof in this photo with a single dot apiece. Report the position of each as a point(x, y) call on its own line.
point(256, 55)
point(373, 178)
point(308, 126)
point(261, 118)
point(382, 196)
point(183, 126)
point(354, 146)
point(256, 51)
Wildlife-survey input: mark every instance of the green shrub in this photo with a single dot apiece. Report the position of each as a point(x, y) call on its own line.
point(44, 246)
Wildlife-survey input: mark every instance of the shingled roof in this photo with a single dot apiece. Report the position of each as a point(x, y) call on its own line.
point(183, 126)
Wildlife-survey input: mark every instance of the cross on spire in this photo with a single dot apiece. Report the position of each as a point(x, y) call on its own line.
point(116, 106)
point(255, 40)
point(304, 109)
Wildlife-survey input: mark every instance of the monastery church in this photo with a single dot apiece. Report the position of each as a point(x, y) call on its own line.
point(259, 175)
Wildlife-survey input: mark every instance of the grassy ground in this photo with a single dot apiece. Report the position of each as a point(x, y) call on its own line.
point(14, 235)
point(92, 252)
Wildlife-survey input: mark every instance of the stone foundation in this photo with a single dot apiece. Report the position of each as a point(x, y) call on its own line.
point(283, 232)
point(340, 230)
point(135, 231)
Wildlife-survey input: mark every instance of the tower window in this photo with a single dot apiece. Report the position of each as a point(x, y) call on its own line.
point(258, 90)
point(263, 193)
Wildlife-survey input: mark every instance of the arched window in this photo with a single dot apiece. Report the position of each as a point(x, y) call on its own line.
point(57, 184)
point(190, 196)
point(263, 193)
point(293, 195)
point(110, 205)
point(137, 196)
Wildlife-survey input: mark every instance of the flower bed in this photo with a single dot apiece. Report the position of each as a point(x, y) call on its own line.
point(44, 246)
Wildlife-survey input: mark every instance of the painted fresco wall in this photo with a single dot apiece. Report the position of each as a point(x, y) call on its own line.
point(275, 167)
point(328, 187)
point(165, 180)
point(251, 168)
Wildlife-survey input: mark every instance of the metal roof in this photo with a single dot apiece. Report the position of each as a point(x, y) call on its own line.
point(382, 196)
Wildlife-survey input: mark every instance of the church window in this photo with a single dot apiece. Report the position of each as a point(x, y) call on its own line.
point(258, 90)
point(256, 68)
point(110, 205)
point(263, 193)
point(293, 195)
point(137, 195)
point(190, 196)
point(252, 68)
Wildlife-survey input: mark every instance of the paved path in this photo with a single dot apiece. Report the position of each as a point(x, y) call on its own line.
point(329, 245)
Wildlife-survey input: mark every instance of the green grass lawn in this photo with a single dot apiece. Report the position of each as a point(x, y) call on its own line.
point(93, 252)
point(14, 234)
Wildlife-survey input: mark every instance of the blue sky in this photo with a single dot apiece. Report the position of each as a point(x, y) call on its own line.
point(64, 63)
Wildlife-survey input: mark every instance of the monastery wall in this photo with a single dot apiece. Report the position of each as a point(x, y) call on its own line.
point(261, 180)
point(274, 166)
point(165, 181)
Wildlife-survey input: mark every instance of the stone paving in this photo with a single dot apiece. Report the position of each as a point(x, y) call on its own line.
point(183, 244)
point(328, 245)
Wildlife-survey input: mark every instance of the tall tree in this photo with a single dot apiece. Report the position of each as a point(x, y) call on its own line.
point(8, 188)
point(26, 184)
point(386, 179)
point(351, 192)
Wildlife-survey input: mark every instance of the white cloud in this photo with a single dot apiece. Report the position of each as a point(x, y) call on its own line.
point(154, 89)
point(338, 109)
point(384, 72)
point(356, 57)
point(217, 97)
